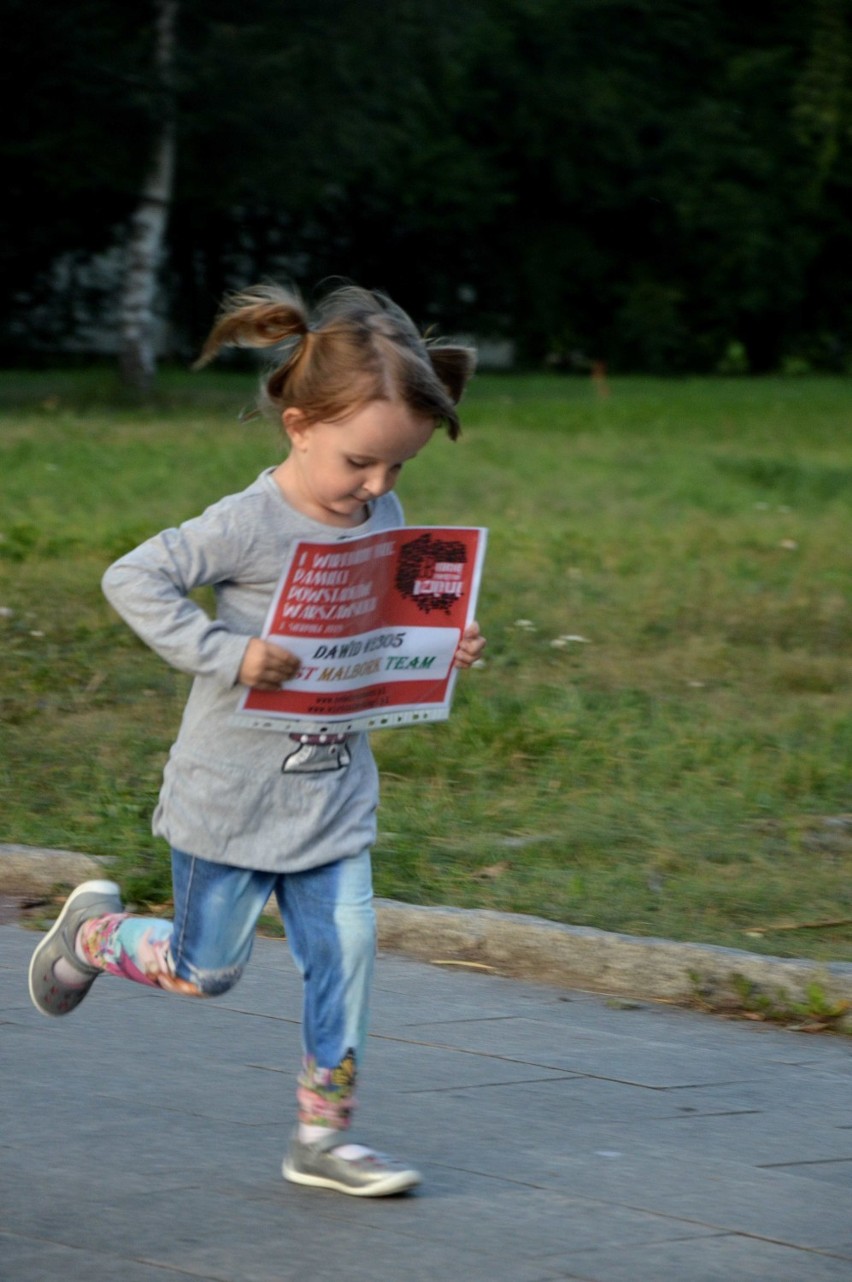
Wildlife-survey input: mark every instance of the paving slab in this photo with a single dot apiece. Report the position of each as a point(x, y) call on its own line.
point(560, 1136)
point(722, 1258)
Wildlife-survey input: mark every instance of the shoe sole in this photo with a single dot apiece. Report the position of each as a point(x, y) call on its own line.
point(87, 888)
point(399, 1183)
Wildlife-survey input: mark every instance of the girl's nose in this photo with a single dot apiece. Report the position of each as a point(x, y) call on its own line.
point(378, 483)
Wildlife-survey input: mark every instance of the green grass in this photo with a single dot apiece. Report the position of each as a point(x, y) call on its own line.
point(685, 770)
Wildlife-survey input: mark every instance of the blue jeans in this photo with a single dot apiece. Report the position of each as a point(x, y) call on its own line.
point(330, 923)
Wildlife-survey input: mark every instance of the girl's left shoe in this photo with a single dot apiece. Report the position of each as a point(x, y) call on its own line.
point(50, 996)
point(373, 1175)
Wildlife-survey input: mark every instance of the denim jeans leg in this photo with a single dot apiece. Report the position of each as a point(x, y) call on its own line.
point(330, 922)
point(217, 907)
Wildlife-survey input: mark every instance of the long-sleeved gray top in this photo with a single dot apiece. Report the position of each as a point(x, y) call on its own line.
point(248, 797)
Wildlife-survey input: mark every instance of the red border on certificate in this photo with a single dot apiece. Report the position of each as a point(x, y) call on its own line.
point(375, 621)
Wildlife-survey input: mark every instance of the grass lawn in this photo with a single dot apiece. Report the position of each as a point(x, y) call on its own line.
point(660, 742)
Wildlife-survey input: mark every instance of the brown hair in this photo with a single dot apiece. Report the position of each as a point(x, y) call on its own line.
point(356, 346)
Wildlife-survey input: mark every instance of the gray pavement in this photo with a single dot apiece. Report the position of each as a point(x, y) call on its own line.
point(561, 1134)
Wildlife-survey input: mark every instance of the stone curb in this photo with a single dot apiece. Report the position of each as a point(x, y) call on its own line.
point(31, 870)
point(533, 948)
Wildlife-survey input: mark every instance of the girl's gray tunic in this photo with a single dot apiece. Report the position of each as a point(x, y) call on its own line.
point(226, 796)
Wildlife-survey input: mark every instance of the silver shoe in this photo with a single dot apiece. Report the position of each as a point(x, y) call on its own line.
point(373, 1175)
point(50, 996)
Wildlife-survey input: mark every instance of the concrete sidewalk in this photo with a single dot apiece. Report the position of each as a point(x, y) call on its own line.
point(561, 1135)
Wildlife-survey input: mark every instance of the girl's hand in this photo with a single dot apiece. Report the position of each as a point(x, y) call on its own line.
point(265, 666)
point(470, 647)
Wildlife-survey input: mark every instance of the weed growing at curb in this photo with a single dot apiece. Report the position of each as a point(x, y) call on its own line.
point(741, 997)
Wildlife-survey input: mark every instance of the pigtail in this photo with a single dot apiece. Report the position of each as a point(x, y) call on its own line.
point(453, 367)
point(356, 346)
point(262, 316)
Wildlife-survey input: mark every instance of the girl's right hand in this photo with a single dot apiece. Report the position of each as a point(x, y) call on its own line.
point(265, 666)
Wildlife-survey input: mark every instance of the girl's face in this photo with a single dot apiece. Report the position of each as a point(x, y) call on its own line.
point(335, 468)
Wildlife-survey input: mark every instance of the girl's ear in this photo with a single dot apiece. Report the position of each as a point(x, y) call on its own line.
point(295, 426)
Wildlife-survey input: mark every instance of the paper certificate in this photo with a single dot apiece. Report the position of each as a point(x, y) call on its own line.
point(375, 622)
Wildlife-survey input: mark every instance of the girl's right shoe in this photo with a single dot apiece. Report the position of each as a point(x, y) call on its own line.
point(50, 996)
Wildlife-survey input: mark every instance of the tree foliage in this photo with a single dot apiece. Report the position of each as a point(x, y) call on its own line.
point(647, 182)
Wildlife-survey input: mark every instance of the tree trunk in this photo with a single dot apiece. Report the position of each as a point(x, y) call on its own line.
point(144, 250)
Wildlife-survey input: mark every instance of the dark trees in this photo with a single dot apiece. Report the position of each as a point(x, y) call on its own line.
point(650, 182)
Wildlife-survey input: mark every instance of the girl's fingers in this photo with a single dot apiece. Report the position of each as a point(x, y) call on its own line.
point(470, 647)
point(265, 666)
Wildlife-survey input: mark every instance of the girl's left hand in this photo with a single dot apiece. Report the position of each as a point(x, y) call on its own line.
point(470, 647)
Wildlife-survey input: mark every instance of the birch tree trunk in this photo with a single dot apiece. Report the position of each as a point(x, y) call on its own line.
point(146, 237)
